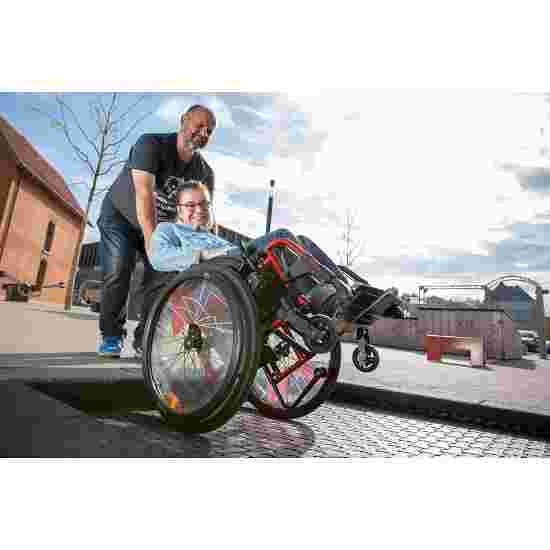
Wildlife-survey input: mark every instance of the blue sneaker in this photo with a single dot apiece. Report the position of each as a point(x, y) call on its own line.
point(111, 346)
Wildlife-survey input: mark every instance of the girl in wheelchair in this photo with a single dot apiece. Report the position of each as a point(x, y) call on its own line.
point(174, 247)
point(267, 331)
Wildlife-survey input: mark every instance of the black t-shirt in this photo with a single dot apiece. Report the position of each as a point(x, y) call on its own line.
point(157, 154)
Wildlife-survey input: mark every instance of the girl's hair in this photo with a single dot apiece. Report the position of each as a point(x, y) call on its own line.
point(178, 185)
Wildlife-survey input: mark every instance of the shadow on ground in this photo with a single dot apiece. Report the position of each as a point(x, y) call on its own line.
point(11, 360)
point(127, 404)
point(247, 434)
point(96, 396)
point(91, 316)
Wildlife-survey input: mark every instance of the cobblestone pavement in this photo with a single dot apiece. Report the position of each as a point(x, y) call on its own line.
point(332, 431)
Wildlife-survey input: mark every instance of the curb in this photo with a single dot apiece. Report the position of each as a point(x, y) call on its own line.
point(96, 395)
point(489, 416)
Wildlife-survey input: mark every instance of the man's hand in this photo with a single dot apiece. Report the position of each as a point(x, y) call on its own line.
point(208, 254)
point(214, 252)
point(147, 239)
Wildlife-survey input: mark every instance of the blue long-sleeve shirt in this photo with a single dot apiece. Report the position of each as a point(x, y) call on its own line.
point(172, 245)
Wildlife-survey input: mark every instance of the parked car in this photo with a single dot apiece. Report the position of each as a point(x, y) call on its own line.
point(530, 339)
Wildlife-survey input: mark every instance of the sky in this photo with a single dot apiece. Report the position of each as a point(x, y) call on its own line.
point(444, 186)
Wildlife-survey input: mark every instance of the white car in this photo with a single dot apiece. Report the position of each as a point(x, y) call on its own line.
point(530, 339)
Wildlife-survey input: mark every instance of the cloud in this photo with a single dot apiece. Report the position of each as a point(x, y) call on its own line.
point(427, 173)
point(424, 171)
point(536, 179)
point(263, 115)
point(171, 109)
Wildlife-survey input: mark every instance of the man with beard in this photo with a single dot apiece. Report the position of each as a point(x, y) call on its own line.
point(139, 199)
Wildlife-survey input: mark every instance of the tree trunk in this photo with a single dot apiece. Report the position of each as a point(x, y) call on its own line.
point(74, 267)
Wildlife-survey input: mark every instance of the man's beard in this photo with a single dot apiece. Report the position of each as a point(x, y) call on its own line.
point(191, 144)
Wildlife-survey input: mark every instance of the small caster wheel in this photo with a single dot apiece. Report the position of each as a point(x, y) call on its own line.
point(368, 362)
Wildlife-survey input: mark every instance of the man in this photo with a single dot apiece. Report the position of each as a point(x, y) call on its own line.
point(176, 246)
point(138, 200)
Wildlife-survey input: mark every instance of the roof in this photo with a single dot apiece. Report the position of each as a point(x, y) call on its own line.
point(38, 166)
point(504, 293)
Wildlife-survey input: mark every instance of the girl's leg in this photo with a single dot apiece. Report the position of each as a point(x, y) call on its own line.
point(321, 256)
point(261, 242)
point(318, 254)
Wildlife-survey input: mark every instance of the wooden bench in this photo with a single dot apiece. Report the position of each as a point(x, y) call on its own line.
point(436, 344)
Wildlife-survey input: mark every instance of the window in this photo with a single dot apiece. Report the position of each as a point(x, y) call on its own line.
point(49, 237)
point(520, 315)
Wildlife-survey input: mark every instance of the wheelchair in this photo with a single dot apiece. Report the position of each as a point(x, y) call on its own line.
point(232, 329)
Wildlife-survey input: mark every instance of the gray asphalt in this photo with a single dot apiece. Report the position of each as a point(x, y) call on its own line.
point(407, 407)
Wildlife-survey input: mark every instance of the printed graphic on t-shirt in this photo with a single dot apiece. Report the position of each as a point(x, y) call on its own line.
point(166, 208)
point(165, 199)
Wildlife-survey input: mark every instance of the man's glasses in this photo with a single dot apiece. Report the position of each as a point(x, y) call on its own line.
point(205, 205)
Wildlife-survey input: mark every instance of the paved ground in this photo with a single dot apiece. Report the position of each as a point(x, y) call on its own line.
point(370, 415)
point(515, 385)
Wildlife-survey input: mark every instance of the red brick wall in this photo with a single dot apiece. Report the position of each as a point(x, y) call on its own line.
point(34, 209)
point(8, 173)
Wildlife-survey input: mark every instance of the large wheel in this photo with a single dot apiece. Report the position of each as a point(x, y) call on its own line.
point(303, 389)
point(201, 347)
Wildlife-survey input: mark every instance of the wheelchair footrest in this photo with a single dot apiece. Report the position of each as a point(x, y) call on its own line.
point(379, 306)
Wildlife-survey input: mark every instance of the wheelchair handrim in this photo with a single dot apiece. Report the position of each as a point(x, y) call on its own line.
point(192, 382)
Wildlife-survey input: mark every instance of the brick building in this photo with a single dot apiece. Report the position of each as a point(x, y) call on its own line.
point(40, 220)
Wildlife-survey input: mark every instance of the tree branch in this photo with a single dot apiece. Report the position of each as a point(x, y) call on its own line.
point(131, 108)
point(110, 167)
point(79, 152)
point(352, 248)
point(125, 136)
point(63, 105)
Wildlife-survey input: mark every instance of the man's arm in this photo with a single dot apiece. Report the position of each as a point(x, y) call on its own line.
point(210, 183)
point(144, 184)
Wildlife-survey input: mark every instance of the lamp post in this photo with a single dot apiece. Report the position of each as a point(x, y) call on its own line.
point(269, 206)
point(540, 315)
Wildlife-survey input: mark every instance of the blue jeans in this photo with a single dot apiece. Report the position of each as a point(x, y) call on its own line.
point(119, 247)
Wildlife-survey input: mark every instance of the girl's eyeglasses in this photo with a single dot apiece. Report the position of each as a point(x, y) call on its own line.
point(205, 205)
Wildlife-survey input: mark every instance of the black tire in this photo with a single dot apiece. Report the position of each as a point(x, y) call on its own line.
point(264, 397)
point(372, 361)
point(217, 403)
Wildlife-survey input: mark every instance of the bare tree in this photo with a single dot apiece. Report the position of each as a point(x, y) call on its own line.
point(97, 145)
point(352, 247)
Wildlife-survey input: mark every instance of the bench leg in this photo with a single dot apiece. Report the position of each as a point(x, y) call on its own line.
point(433, 348)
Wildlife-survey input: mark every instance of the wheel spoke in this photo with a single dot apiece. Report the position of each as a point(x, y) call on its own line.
point(298, 386)
point(193, 374)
